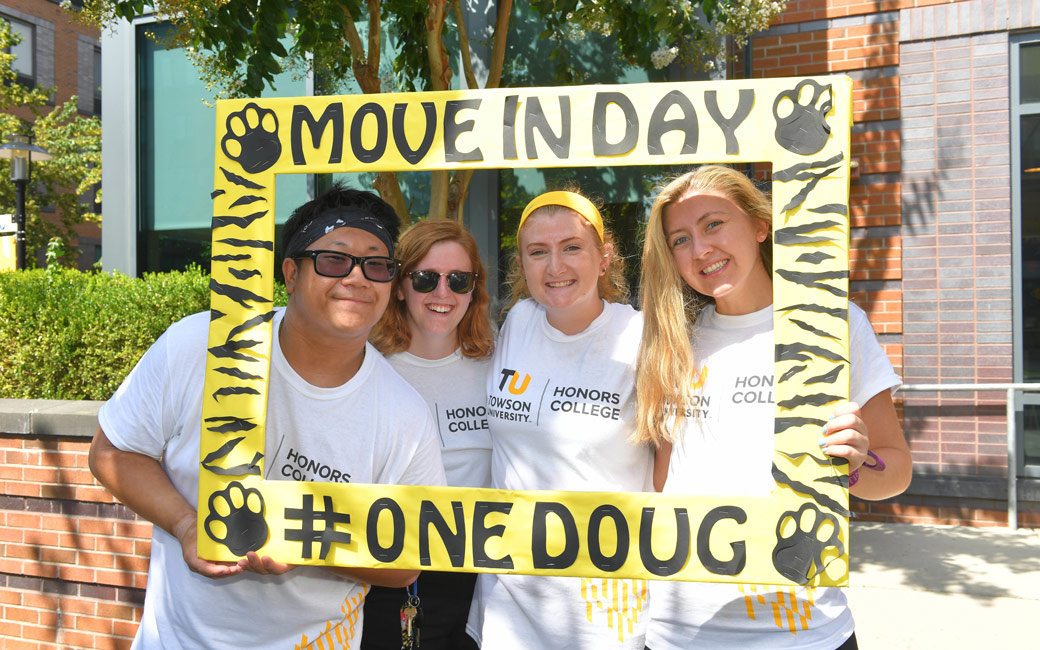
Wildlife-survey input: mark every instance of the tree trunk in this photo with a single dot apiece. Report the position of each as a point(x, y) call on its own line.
point(440, 79)
point(458, 190)
point(439, 184)
point(498, 44)
point(389, 188)
point(366, 72)
point(365, 64)
point(458, 186)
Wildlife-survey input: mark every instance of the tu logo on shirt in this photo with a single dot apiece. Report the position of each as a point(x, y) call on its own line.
point(698, 381)
point(512, 377)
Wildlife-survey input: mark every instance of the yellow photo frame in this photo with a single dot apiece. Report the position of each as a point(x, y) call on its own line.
point(798, 535)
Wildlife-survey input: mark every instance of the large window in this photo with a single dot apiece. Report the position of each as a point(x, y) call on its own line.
point(97, 81)
point(24, 52)
point(1025, 132)
point(176, 131)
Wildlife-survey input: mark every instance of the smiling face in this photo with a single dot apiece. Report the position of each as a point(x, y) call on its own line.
point(336, 308)
point(715, 246)
point(436, 315)
point(562, 261)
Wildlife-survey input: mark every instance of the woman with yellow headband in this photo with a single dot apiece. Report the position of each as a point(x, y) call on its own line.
point(560, 411)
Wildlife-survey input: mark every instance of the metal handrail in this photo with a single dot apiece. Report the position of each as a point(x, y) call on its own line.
point(1012, 433)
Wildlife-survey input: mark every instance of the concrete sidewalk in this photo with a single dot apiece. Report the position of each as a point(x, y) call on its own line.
point(946, 587)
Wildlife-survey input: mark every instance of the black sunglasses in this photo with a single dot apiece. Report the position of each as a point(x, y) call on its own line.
point(334, 264)
point(458, 281)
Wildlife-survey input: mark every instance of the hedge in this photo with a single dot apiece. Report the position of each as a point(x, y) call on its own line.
point(71, 335)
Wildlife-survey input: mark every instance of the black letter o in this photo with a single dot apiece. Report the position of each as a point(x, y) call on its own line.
point(616, 561)
point(379, 552)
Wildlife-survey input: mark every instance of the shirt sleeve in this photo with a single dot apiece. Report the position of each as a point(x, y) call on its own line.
point(871, 371)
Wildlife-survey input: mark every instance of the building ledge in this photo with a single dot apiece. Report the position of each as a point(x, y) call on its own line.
point(49, 417)
point(978, 487)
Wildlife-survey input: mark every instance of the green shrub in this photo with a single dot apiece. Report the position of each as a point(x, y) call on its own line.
point(71, 335)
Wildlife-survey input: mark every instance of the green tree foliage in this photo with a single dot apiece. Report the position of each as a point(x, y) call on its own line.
point(656, 32)
point(71, 335)
point(75, 170)
point(238, 46)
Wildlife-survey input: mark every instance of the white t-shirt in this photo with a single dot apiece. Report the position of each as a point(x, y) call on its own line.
point(453, 388)
point(373, 429)
point(735, 356)
point(560, 410)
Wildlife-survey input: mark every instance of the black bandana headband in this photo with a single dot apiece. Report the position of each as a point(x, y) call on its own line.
point(330, 220)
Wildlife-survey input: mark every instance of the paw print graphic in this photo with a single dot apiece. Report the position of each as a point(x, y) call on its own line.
point(236, 518)
point(803, 128)
point(802, 538)
point(252, 138)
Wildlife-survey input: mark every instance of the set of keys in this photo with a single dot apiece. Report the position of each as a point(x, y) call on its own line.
point(411, 621)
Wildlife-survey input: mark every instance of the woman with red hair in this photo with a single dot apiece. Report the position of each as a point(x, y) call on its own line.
point(437, 334)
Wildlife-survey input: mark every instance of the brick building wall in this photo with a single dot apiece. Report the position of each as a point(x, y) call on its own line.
point(73, 562)
point(859, 39)
point(957, 247)
point(58, 43)
point(65, 61)
point(931, 223)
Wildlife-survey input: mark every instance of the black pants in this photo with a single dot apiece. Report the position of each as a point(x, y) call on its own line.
point(850, 644)
point(444, 598)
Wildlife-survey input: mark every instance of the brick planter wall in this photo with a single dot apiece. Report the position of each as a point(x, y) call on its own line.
point(73, 562)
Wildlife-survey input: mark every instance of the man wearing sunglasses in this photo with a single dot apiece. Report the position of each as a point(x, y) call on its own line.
point(336, 412)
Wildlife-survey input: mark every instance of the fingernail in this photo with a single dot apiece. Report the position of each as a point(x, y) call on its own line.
point(823, 430)
point(822, 442)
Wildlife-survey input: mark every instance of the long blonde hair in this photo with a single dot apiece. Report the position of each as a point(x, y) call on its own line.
point(666, 372)
point(612, 285)
point(475, 338)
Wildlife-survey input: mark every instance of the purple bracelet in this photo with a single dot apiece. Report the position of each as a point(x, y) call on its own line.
point(878, 466)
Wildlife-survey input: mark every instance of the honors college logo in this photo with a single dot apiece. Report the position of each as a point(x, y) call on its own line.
point(574, 400)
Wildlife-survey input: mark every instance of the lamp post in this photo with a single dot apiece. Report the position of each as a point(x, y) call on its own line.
point(21, 151)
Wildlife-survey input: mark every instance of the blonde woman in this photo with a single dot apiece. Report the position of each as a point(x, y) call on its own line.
point(437, 334)
point(560, 406)
point(707, 296)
